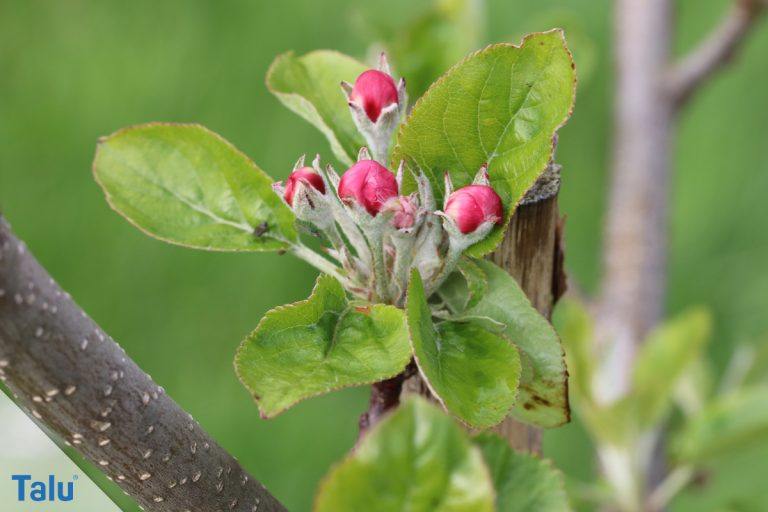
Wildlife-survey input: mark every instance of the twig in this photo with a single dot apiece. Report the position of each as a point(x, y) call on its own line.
point(385, 395)
point(634, 249)
point(675, 482)
point(68, 374)
point(715, 51)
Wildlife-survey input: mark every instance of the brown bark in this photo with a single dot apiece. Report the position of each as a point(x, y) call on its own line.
point(63, 370)
point(385, 395)
point(532, 252)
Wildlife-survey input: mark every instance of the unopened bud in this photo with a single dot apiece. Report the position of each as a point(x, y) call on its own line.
point(374, 91)
point(471, 206)
point(404, 211)
point(305, 175)
point(369, 184)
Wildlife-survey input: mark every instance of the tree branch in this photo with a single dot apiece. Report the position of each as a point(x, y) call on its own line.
point(634, 251)
point(631, 301)
point(717, 50)
point(385, 396)
point(74, 379)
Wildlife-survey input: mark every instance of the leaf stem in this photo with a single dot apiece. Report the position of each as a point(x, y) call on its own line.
point(303, 252)
point(403, 258)
point(669, 488)
point(449, 264)
point(379, 270)
point(334, 237)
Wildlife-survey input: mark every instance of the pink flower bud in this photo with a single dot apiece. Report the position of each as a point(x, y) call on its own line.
point(368, 183)
point(374, 91)
point(306, 175)
point(404, 211)
point(473, 205)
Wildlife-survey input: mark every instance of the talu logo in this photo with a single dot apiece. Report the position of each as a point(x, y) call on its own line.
point(52, 490)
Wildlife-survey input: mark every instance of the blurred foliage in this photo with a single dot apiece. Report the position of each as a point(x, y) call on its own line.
point(416, 459)
point(73, 71)
point(424, 45)
point(710, 423)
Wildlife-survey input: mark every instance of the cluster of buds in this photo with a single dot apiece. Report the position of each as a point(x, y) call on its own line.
point(376, 233)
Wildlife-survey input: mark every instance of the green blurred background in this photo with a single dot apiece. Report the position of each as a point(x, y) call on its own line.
point(71, 71)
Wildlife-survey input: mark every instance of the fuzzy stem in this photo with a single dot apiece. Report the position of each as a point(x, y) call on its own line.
point(449, 264)
point(334, 237)
point(379, 268)
point(323, 265)
point(403, 258)
point(343, 255)
point(352, 232)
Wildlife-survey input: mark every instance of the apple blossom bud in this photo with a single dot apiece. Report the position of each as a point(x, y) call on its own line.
point(374, 91)
point(471, 206)
point(404, 211)
point(306, 175)
point(369, 184)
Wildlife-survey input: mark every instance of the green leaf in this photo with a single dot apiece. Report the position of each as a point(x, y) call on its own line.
point(581, 41)
point(319, 345)
point(186, 185)
point(310, 86)
point(662, 360)
point(612, 423)
point(465, 287)
point(472, 371)
point(523, 482)
point(543, 396)
point(416, 459)
point(731, 422)
point(576, 329)
point(501, 106)
point(694, 387)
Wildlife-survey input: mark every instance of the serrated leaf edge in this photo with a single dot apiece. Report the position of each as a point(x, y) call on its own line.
point(277, 309)
point(108, 196)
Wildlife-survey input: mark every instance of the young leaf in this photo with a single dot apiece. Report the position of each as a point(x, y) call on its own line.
point(523, 482)
point(576, 329)
point(663, 359)
point(472, 371)
point(319, 345)
point(310, 86)
point(465, 287)
point(416, 459)
point(731, 422)
point(500, 106)
point(612, 423)
point(542, 397)
point(186, 185)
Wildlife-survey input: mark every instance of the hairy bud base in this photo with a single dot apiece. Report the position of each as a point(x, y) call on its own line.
point(305, 175)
